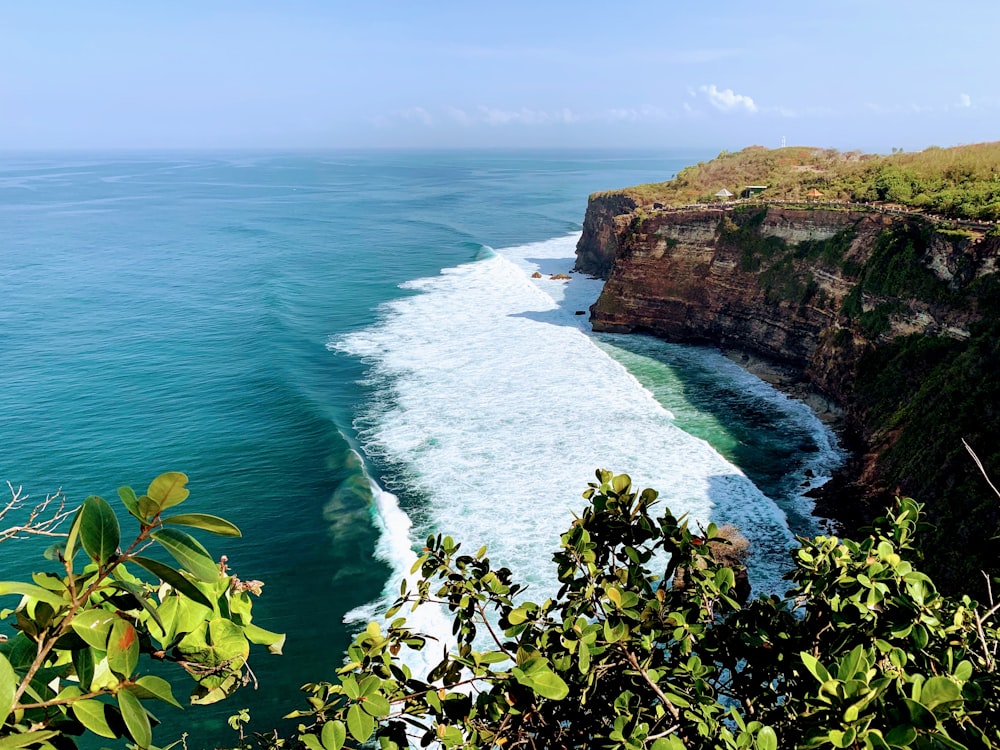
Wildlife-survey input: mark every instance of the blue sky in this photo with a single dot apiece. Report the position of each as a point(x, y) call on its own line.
point(871, 75)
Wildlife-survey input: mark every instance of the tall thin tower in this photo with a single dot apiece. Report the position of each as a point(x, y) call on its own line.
point(782, 141)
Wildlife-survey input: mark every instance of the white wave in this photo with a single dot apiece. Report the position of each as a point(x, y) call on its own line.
point(395, 548)
point(493, 406)
point(791, 420)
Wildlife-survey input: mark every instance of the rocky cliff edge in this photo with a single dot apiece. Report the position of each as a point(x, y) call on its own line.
point(830, 292)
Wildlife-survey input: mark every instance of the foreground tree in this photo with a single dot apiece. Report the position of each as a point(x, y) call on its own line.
point(86, 634)
point(647, 644)
point(863, 652)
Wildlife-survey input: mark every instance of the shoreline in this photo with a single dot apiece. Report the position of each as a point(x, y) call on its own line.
point(789, 380)
point(838, 502)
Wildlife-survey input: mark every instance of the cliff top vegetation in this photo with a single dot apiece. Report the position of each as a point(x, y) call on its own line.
point(958, 182)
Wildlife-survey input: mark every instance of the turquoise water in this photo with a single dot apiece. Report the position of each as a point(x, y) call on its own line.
point(345, 351)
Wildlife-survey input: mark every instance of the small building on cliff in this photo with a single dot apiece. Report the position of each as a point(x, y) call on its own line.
point(752, 190)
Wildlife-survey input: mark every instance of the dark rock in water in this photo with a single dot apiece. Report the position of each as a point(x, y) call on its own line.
point(581, 312)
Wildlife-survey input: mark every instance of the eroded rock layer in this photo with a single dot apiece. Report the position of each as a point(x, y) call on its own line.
point(841, 296)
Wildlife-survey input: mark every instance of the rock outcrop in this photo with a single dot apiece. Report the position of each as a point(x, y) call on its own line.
point(829, 293)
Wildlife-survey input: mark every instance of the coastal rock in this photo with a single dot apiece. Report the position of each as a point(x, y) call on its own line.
point(789, 291)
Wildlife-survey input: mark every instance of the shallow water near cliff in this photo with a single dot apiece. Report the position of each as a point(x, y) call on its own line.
point(346, 351)
point(494, 432)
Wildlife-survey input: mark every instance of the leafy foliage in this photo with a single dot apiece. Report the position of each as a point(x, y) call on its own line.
point(961, 182)
point(863, 653)
point(88, 633)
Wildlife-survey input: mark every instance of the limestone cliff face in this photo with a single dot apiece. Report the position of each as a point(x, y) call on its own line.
point(606, 216)
point(816, 289)
point(678, 275)
point(771, 280)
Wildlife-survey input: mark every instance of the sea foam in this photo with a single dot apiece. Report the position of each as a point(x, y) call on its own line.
point(492, 405)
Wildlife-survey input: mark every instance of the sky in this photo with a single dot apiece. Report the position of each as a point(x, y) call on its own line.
point(853, 74)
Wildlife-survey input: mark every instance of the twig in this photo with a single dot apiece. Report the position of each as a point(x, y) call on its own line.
point(35, 524)
point(988, 654)
point(981, 469)
point(634, 663)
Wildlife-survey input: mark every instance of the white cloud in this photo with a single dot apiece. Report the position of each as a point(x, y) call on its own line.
point(636, 114)
point(416, 114)
point(964, 100)
point(495, 116)
point(901, 108)
point(726, 100)
point(458, 115)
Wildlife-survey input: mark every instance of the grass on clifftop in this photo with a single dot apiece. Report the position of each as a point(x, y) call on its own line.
point(959, 182)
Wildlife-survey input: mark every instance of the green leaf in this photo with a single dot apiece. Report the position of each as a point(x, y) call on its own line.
point(517, 616)
point(25, 738)
point(334, 735)
point(963, 672)
point(621, 483)
point(369, 685)
point(32, 591)
point(376, 705)
point(8, 686)
point(174, 577)
point(938, 690)
point(136, 719)
point(493, 657)
point(151, 686)
point(350, 686)
point(130, 501)
point(543, 681)
point(168, 489)
point(360, 724)
point(189, 552)
point(99, 530)
point(73, 536)
point(93, 715)
point(221, 650)
point(83, 665)
point(274, 641)
point(147, 508)
point(850, 663)
point(123, 648)
point(815, 668)
point(919, 715)
point(94, 626)
point(901, 736)
point(668, 743)
point(205, 522)
point(311, 741)
point(767, 739)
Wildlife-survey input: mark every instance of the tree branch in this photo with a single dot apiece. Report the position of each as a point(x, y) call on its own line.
point(43, 519)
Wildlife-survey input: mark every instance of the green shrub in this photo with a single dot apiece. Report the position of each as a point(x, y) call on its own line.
point(862, 653)
point(87, 633)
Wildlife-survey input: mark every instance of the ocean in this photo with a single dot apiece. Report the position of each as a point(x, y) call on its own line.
point(346, 352)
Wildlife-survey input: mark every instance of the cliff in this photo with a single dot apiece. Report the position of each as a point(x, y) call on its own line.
point(875, 310)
